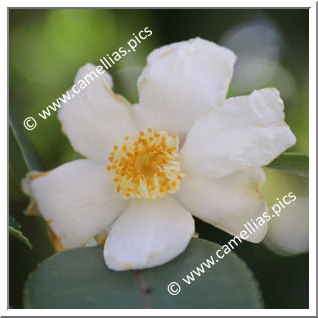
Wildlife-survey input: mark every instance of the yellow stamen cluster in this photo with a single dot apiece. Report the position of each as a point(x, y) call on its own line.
point(146, 165)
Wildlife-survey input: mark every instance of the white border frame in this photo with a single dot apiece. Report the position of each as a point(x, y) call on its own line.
point(312, 153)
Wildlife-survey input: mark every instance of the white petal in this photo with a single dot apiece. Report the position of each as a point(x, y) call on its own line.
point(149, 233)
point(78, 200)
point(247, 131)
point(96, 119)
point(181, 82)
point(226, 203)
point(288, 234)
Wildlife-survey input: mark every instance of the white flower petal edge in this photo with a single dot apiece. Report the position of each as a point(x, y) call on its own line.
point(247, 131)
point(96, 118)
point(78, 200)
point(181, 82)
point(288, 234)
point(149, 233)
point(226, 203)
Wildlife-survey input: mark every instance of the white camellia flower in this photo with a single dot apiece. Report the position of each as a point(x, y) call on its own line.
point(288, 234)
point(183, 149)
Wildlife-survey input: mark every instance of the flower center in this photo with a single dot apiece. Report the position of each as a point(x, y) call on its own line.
point(146, 165)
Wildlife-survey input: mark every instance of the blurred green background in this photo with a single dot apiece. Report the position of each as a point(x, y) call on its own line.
point(47, 47)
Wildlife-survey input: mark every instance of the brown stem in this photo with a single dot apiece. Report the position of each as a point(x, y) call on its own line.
point(144, 290)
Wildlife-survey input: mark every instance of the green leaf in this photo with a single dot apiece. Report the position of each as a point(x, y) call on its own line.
point(30, 158)
point(295, 163)
point(13, 223)
point(79, 278)
point(14, 229)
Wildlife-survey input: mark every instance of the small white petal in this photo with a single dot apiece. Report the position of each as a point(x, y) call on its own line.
point(227, 203)
point(149, 233)
point(96, 118)
point(288, 234)
point(181, 82)
point(78, 200)
point(247, 131)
